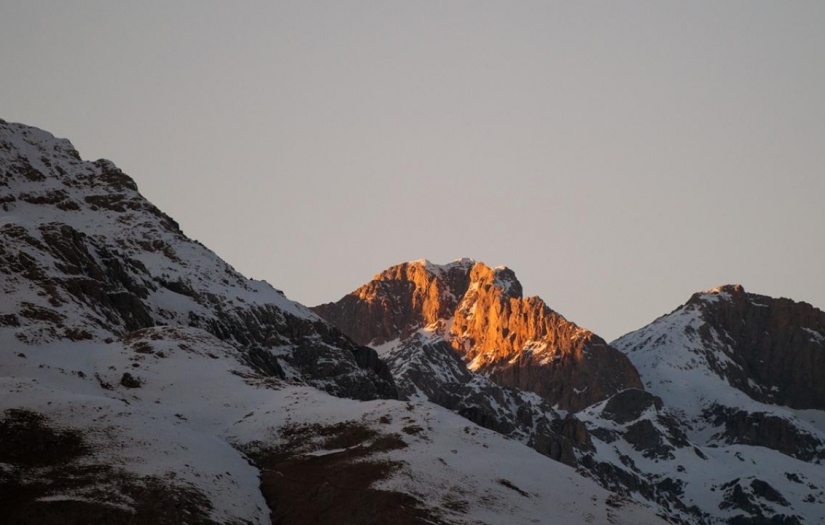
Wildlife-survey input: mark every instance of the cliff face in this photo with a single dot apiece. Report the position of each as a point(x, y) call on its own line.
point(399, 301)
point(481, 313)
point(738, 363)
point(778, 345)
point(524, 344)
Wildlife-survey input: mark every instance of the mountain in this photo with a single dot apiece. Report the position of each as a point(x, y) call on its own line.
point(86, 257)
point(480, 312)
point(699, 431)
point(772, 350)
point(143, 380)
point(746, 366)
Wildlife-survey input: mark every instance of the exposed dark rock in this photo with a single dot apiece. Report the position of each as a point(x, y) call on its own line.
point(511, 486)
point(646, 438)
point(264, 362)
point(65, 465)
point(368, 359)
point(336, 488)
point(778, 519)
point(764, 490)
point(603, 434)
point(765, 430)
point(480, 400)
point(130, 381)
point(793, 477)
point(736, 498)
point(672, 486)
point(554, 447)
point(621, 481)
point(28, 440)
point(99, 269)
point(575, 432)
point(629, 405)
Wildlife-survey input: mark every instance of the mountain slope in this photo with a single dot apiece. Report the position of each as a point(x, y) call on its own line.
point(85, 256)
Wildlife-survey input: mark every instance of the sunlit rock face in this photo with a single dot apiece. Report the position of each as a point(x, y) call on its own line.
point(480, 311)
point(399, 301)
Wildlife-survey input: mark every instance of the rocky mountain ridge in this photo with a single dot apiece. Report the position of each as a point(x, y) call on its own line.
point(144, 380)
point(517, 342)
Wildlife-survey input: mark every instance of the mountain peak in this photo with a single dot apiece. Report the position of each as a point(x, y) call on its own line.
point(725, 292)
point(726, 289)
point(479, 273)
point(28, 139)
point(480, 312)
point(752, 343)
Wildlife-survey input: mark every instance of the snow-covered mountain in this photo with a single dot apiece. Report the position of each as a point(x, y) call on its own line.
point(86, 257)
point(143, 380)
point(700, 443)
point(743, 373)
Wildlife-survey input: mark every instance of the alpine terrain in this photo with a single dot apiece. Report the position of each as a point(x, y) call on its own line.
point(143, 380)
point(711, 414)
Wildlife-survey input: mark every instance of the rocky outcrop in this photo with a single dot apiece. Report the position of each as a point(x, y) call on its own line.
point(629, 405)
point(640, 419)
point(517, 342)
point(765, 430)
point(760, 502)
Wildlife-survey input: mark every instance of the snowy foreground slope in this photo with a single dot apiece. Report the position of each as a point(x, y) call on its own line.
point(199, 414)
point(143, 380)
point(707, 442)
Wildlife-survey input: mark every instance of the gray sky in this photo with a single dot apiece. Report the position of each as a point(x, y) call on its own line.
point(619, 156)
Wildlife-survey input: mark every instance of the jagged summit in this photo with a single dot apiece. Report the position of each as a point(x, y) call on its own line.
point(772, 350)
point(481, 312)
point(745, 371)
point(413, 295)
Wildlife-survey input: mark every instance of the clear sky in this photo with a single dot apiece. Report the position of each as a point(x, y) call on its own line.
point(619, 156)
